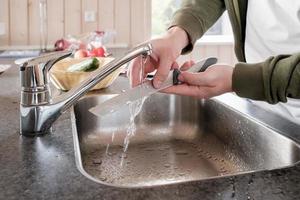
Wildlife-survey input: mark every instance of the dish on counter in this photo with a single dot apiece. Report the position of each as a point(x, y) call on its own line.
point(64, 79)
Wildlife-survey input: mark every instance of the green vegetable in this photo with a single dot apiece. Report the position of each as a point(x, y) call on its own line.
point(85, 66)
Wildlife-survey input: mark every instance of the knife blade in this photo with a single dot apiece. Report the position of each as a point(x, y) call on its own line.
point(147, 89)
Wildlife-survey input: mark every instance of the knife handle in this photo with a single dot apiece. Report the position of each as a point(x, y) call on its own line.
point(208, 62)
point(176, 73)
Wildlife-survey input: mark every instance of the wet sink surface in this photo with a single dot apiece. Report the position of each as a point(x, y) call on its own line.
point(177, 139)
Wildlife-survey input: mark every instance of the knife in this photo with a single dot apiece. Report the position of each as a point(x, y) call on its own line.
point(147, 89)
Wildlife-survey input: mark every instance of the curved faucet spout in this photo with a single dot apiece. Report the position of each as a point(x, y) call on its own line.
point(37, 119)
point(69, 98)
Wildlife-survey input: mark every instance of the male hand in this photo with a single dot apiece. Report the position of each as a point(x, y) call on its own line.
point(216, 80)
point(166, 49)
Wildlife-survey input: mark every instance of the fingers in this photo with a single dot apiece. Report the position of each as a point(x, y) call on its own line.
point(187, 65)
point(134, 72)
point(149, 66)
point(197, 79)
point(135, 68)
point(162, 72)
point(175, 65)
point(192, 91)
point(183, 89)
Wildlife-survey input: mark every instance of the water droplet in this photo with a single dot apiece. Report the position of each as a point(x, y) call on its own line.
point(170, 178)
point(123, 91)
point(128, 102)
point(97, 161)
point(250, 181)
point(107, 147)
point(123, 156)
point(167, 165)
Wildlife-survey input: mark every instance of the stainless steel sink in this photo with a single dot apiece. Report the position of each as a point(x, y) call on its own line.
point(177, 139)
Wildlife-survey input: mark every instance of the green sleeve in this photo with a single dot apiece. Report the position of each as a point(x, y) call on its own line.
point(273, 80)
point(196, 17)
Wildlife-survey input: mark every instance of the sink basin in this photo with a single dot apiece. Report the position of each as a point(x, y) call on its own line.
point(177, 139)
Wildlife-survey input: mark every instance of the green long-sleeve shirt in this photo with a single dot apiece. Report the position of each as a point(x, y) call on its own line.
point(272, 80)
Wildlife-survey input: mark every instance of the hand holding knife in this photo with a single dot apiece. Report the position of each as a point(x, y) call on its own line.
point(147, 89)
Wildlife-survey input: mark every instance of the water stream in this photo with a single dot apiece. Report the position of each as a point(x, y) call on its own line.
point(135, 108)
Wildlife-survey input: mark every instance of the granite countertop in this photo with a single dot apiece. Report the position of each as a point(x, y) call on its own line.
point(44, 167)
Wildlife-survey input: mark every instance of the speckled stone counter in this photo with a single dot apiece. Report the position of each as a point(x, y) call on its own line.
point(44, 167)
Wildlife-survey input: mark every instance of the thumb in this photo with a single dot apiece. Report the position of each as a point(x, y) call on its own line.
point(197, 79)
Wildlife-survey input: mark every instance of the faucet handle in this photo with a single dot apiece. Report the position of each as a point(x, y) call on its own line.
point(45, 58)
point(35, 79)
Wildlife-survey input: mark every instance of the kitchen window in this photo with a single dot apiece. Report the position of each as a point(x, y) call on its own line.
point(162, 12)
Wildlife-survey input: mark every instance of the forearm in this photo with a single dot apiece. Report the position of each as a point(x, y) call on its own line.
point(196, 17)
point(273, 80)
point(178, 37)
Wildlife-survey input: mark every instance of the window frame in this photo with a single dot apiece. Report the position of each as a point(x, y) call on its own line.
point(225, 38)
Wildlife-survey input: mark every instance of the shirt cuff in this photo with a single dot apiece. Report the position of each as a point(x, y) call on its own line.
point(190, 25)
point(247, 81)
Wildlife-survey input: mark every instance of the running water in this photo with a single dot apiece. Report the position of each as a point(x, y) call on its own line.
point(135, 108)
point(112, 140)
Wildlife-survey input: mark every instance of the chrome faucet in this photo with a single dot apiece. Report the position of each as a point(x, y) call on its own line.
point(38, 110)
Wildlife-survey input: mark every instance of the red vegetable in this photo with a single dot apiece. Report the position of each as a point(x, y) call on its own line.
point(99, 52)
point(61, 45)
point(81, 53)
point(91, 54)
